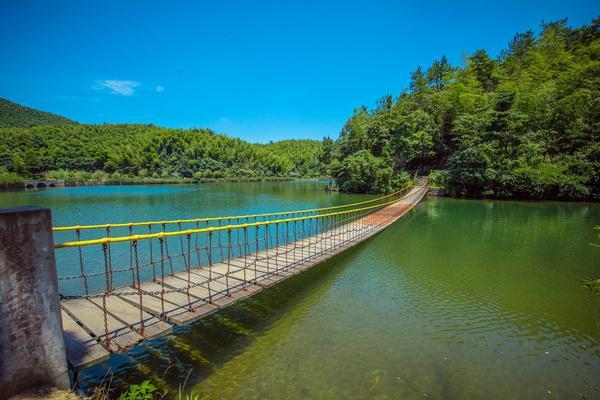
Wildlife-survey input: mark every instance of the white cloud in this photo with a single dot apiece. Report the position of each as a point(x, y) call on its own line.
point(124, 88)
point(160, 88)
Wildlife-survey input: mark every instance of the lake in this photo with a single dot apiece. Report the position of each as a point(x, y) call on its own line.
point(459, 299)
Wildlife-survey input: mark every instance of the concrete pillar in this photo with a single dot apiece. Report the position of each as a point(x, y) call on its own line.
point(32, 349)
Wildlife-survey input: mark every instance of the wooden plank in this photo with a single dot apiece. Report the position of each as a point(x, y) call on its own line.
point(267, 264)
point(91, 317)
point(238, 267)
point(269, 272)
point(83, 350)
point(221, 277)
point(177, 298)
point(275, 265)
point(283, 258)
point(252, 274)
point(197, 292)
point(219, 298)
point(259, 267)
point(294, 253)
point(130, 315)
point(220, 285)
point(222, 298)
point(283, 270)
point(173, 312)
point(218, 290)
point(239, 288)
point(273, 269)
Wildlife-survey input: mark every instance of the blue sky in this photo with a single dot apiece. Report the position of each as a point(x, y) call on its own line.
point(256, 70)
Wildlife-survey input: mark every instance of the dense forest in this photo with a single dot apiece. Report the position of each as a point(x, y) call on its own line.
point(305, 156)
point(18, 116)
point(78, 152)
point(525, 124)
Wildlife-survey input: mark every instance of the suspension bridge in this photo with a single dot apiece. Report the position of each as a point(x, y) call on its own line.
point(121, 284)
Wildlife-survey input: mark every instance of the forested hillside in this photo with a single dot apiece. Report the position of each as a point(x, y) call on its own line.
point(84, 152)
point(525, 124)
point(304, 155)
point(16, 115)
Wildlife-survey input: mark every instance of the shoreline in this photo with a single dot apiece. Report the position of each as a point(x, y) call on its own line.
point(23, 185)
point(439, 192)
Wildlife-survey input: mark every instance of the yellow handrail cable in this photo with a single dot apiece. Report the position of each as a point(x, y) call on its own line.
point(183, 221)
point(212, 228)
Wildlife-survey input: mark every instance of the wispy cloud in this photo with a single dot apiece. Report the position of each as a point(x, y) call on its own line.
point(160, 88)
point(124, 88)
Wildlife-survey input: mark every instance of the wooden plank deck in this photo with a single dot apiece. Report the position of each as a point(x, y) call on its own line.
point(129, 315)
point(91, 318)
point(82, 349)
point(192, 295)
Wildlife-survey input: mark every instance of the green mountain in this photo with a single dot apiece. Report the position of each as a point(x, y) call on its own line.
point(144, 151)
point(39, 144)
point(18, 116)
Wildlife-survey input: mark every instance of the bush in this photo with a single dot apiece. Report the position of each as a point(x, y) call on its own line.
point(143, 391)
point(438, 178)
point(8, 179)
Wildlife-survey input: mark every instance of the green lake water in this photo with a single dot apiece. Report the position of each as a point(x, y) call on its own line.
point(458, 300)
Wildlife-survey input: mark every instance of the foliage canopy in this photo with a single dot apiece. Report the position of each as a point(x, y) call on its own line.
point(524, 125)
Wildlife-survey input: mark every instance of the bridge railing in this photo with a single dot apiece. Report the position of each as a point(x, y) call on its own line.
point(239, 253)
point(84, 261)
point(81, 232)
point(83, 264)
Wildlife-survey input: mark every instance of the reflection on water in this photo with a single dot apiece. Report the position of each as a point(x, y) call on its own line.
point(458, 300)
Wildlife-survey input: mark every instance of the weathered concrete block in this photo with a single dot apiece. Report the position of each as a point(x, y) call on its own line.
point(32, 350)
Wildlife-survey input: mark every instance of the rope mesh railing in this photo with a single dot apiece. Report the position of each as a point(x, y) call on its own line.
point(238, 219)
point(209, 262)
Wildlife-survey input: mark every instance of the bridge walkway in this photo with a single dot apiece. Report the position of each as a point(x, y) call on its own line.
point(117, 320)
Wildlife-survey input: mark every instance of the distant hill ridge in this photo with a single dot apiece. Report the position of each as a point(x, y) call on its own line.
point(37, 144)
point(14, 115)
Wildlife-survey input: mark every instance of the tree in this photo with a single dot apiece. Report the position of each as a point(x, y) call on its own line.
point(418, 82)
point(354, 133)
point(365, 173)
point(31, 162)
point(439, 73)
point(326, 154)
point(519, 46)
point(18, 165)
point(483, 67)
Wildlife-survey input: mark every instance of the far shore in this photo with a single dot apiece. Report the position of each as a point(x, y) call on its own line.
point(45, 183)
